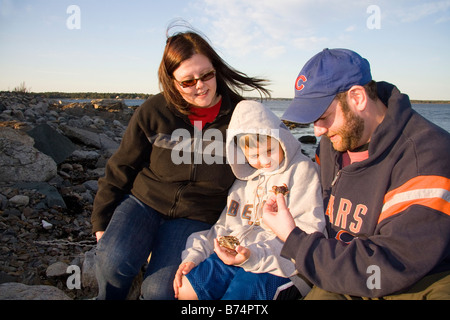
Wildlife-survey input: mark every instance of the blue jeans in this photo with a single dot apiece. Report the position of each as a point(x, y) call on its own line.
point(134, 231)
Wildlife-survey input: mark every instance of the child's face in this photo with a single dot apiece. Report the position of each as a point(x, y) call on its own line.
point(267, 156)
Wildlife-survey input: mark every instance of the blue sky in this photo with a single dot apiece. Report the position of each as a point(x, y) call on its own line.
point(119, 44)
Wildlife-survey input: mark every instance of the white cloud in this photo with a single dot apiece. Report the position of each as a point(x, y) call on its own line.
point(243, 27)
point(423, 10)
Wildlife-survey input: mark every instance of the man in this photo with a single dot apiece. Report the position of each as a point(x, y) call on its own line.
point(385, 174)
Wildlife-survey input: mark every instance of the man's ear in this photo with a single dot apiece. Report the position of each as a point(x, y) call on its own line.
point(357, 96)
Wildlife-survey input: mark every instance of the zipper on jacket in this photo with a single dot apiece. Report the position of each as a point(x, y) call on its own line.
point(193, 172)
point(336, 178)
point(180, 190)
point(338, 167)
point(173, 210)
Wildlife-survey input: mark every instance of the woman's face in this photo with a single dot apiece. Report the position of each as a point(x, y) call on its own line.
point(203, 93)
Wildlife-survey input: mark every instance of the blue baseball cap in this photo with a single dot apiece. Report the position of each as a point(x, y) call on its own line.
point(326, 74)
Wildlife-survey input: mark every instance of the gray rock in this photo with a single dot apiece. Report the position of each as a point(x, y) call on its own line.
point(308, 139)
point(3, 202)
point(50, 142)
point(86, 137)
point(89, 138)
point(78, 155)
point(16, 136)
point(46, 225)
point(91, 185)
point(57, 269)
point(19, 291)
point(20, 161)
point(53, 197)
point(88, 278)
point(20, 200)
point(109, 104)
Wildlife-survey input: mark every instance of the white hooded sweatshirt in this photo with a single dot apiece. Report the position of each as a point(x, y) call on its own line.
point(253, 187)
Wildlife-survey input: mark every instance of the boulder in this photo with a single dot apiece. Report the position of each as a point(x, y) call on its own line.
point(19, 291)
point(50, 142)
point(57, 269)
point(308, 139)
point(109, 104)
point(20, 161)
point(89, 138)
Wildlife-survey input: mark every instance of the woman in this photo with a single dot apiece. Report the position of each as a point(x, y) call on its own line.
point(150, 199)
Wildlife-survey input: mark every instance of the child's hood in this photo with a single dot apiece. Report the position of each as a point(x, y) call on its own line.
point(254, 117)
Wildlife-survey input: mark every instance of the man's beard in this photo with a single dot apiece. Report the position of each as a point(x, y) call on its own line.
point(351, 132)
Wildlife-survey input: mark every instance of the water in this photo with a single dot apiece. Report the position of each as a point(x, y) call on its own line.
point(436, 113)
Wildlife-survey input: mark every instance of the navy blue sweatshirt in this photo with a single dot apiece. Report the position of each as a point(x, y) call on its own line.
point(387, 216)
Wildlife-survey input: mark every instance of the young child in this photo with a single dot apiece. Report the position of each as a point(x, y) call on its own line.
point(265, 158)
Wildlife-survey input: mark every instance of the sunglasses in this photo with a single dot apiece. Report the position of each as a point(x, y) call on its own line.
point(193, 82)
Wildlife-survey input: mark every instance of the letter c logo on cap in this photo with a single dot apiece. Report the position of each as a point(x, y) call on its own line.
point(301, 86)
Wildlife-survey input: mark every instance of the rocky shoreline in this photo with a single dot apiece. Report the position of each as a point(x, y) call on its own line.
point(52, 156)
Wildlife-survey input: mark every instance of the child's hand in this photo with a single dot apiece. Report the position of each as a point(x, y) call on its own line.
point(240, 255)
point(183, 269)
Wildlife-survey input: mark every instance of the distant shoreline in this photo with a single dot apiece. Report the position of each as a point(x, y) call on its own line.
point(430, 101)
point(143, 96)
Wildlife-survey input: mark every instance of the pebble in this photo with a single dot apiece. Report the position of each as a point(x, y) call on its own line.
point(46, 225)
point(19, 200)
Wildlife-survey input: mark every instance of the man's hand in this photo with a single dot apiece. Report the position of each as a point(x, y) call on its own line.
point(230, 257)
point(278, 217)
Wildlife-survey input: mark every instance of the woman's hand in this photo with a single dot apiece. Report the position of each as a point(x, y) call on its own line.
point(277, 217)
point(99, 234)
point(183, 269)
point(230, 257)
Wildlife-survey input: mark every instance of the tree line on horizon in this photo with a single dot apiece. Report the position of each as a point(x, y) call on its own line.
point(143, 96)
point(22, 88)
point(93, 95)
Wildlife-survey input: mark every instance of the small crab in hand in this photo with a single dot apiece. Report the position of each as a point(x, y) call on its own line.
point(280, 189)
point(229, 242)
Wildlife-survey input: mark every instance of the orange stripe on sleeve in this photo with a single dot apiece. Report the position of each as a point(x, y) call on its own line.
point(420, 182)
point(429, 191)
